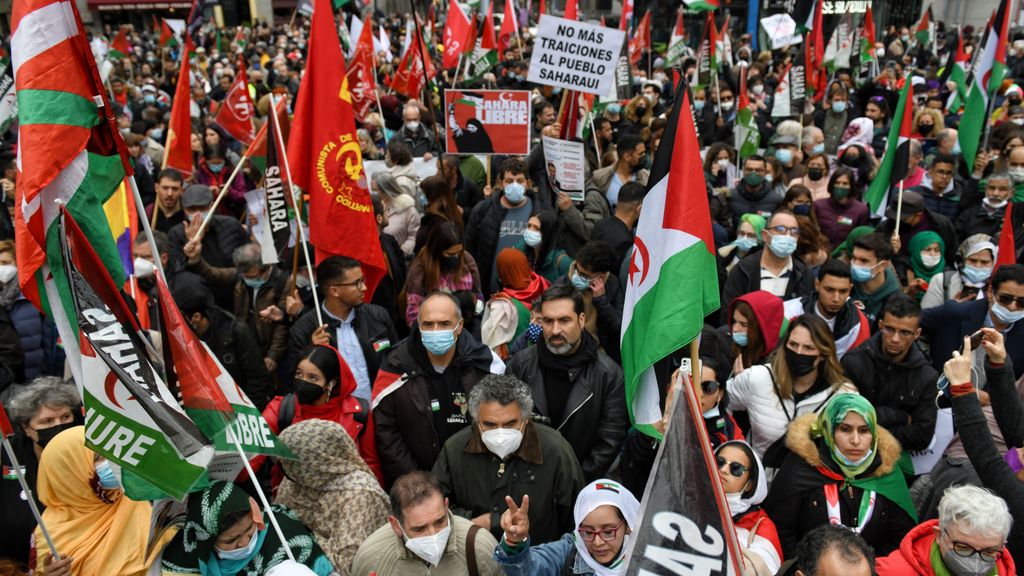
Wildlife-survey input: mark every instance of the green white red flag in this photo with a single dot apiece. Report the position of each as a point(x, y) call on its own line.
point(895, 164)
point(485, 52)
point(748, 137)
point(677, 42)
point(673, 280)
point(119, 45)
point(989, 71)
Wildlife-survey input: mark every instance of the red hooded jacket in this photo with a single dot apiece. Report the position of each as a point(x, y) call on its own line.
point(914, 555)
point(771, 316)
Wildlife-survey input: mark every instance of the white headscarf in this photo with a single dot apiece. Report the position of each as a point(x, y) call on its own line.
point(605, 492)
point(738, 504)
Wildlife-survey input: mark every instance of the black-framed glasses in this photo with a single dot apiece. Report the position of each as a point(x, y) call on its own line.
point(1007, 299)
point(735, 468)
point(780, 229)
point(903, 334)
point(607, 534)
point(965, 550)
point(709, 386)
point(360, 282)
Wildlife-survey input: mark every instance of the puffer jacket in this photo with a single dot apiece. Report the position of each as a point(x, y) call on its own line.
point(43, 357)
point(754, 390)
point(403, 222)
point(913, 557)
point(897, 390)
point(595, 419)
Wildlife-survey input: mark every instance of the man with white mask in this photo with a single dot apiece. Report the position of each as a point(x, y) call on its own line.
point(423, 536)
point(504, 453)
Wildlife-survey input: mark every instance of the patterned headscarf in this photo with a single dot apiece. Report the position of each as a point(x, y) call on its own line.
point(832, 416)
point(206, 512)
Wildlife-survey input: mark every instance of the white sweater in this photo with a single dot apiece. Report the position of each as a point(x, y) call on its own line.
point(752, 390)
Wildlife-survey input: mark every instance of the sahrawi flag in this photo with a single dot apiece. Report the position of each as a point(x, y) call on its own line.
point(673, 282)
point(677, 42)
point(896, 162)
point(957, 70)
point(485, 52)
point(131, 418)
point(924, 28)
point(989, 70)
point(748, 138)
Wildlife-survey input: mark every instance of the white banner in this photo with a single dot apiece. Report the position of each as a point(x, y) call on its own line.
point(575, 55)
point(565, 164)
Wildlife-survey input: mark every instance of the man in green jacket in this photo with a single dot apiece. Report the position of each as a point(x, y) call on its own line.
point(505, 454)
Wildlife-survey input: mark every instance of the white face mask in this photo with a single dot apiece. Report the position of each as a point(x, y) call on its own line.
point(996, 204)
point(239, 553)
point(502, 441)
point(723, 163)
point(143, 268)
point(430, 548)
point(8, 272)
point(412, 125)
point(930, 260)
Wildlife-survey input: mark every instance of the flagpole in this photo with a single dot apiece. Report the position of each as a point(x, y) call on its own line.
point(146, 228)
point(263, 498)
point(376, 94)
point(455, 78)
point(597, 143)
point(29, 497)
point(423, 60)
point(298, 215)
point(899, 210)
point(221, 194)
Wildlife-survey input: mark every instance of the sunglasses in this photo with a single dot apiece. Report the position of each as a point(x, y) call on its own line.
point(709, 386)
point(735, 468)
point(1007, 299)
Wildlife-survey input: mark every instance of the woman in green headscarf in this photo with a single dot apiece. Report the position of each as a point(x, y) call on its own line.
point(842, 469)
point(226, 534)
point(926, 260)
point(748, 238)
point(845, 249)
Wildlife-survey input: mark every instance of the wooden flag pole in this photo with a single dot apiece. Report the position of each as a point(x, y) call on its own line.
point(899, 211)
point(220, 196)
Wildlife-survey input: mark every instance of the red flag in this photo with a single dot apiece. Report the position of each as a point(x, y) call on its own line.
point(324, 155)
point(627, 14)
point(571, 10)
point(166, 34)
point(744, 98)
point(816, 49)
point(543, 9)
point(869, 27)
point(641, 39)
point(409, 78)
point(456, 35)
point(236, 112)
point(1007, 241)
point(360, 73)
point(178, 154)
point(5, 423)
point(508, 27)
point(119, 45)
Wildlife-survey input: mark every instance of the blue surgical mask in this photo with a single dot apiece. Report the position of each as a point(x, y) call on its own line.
point(614, 108)
point(532, 238)
point(108, 480)
point(156, 133)
point(578, 281)
point(240, 553)
point(853, 463)
point(254, 282)
point(956, 148)
point(860, 273)
point(698, 105)
point(839, 107)
point(746, 243)
point(782, 245)
point(976, 275)
point(1006, 316)
point(784, 155)
point(215, 167)
point(515, 192)
point(802, 209)
point(149, 98)
point(818, 148)
point(438, 342)
point(740, 338)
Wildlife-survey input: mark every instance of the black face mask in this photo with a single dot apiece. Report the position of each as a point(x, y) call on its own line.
point(307, 392)
point(851, 161)
point(925, 129)
point(641, 111)
point(815, 174)
point(47, 434)
point(449, 262)
point(800, 364)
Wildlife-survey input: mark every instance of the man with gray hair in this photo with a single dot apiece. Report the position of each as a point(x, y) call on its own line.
point(254, 287)
point(40, 411)
point(968, 538)
point(504, 456)
point(419, 138)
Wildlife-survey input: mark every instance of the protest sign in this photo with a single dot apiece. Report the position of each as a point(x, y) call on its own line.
point(565, 166)
point(781, 30)
point(685, 526)
point(487, 121)
point(575, 55)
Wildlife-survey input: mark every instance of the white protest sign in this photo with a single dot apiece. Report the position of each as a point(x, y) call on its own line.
point(575, 55)
point(565, 165)
point(781, 29)
point(925, 460)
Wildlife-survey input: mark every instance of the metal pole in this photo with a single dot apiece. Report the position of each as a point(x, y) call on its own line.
point(29, 497)
point(263, 498)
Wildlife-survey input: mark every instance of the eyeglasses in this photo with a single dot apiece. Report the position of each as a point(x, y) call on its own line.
point(1007, 299)
point(709, 386)
point(778, 230)
point(735, 468)
point(607, 535)
point(965, 550)
point(903, 334)
point(360, 282)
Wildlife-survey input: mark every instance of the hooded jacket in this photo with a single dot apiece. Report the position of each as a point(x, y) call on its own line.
point(756, 533)
point(762, 201)
point(913, 557)
point(875, 301)
point(897, 390)
point(745, 277)
point(402, 394)
point(797, 504)
point(850, 326)
point(771, 317)
point(403, 222)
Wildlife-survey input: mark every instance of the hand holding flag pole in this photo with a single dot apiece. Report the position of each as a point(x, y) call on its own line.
point(6, 430)
point(220, 196)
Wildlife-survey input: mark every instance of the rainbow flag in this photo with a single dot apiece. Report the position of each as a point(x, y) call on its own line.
point(122, 217)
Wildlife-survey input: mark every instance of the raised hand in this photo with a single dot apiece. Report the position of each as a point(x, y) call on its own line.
point(516, 521)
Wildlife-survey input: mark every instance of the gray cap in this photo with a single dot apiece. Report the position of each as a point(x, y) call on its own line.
point(196, 195)
point(783, 140)
point(912, 204)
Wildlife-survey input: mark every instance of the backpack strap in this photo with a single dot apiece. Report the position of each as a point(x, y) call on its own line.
point(471, 550)
point(286, 414)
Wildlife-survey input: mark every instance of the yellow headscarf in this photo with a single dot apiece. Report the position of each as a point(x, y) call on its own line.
point(102, 538)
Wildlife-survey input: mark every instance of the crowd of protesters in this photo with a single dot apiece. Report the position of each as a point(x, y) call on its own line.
point(861, 385)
